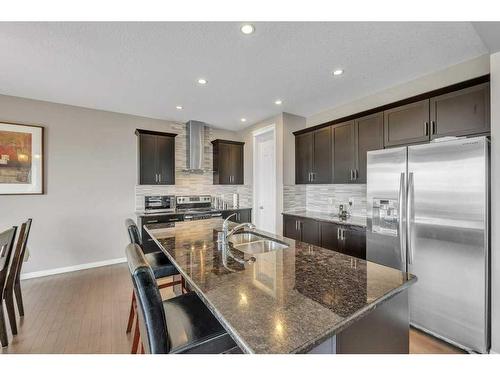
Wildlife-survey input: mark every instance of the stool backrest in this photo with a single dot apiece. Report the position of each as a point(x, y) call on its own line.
point(6, 244)
point(150, 312)
point(133, 232)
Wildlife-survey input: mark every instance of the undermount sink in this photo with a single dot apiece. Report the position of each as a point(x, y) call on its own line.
point(262, 246)
point(252, 243)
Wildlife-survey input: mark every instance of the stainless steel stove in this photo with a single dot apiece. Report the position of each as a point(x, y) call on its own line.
point(196, 207)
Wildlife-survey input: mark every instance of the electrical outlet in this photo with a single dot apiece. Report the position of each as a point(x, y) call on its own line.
point(351, 201)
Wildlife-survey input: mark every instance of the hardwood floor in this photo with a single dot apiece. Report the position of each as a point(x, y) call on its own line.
point(87, 311)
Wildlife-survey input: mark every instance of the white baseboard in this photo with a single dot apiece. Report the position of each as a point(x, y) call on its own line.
point(78, 267)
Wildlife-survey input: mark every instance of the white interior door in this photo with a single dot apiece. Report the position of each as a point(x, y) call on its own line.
point(264, 181)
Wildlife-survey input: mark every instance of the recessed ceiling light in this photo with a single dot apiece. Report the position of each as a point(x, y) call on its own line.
point(179, 107)
point(202, 81)
point(247, 29)
point(243, 119)
point(278, 102)
point(338, 72)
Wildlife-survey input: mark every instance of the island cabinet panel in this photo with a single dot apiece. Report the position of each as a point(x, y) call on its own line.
point(227, 162)
point(462, 112)
point(344, 158)
point(156, 157)
point(369, 137)
point(241, 216)
point(407, 124)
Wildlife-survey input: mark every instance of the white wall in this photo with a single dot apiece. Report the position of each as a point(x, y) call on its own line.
point(90, 170)
point(453, 74)
point(495, 202)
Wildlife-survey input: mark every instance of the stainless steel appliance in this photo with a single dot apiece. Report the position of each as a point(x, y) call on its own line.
point(428, 214)
point(159, 203)
point(196, 207)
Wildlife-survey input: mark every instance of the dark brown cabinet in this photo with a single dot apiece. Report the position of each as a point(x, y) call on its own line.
point(156, 157)
point(346, 239)
point(462, 112)
point(241, 216)
point(301, 229)
point(344, 153)
point(160, 221)
point(407, 124)
point(228, 162)
point(313, 156)
point(369, 136)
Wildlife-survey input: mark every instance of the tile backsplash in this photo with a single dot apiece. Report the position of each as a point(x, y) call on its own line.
point(325, 198)
point(190, 183)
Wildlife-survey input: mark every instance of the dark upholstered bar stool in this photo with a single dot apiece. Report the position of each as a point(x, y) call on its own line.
point(6, 244)
point(159, 263)
point(13, 284)
point(182, 324)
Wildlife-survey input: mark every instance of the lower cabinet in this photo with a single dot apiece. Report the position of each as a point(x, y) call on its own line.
point(160, 221)
point(242, 216)
point(301, 229)
point(346, 239)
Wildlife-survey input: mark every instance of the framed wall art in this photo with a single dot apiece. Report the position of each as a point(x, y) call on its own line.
point(21, 159)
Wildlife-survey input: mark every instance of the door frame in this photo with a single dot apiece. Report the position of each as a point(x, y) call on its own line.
point(255, 134)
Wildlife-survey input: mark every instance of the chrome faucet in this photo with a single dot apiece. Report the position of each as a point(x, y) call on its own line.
point(227, 232)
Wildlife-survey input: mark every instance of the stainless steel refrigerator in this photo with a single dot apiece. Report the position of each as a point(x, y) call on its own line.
point(428, 214)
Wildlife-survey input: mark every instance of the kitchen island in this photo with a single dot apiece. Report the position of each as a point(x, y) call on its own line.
point(298, 298)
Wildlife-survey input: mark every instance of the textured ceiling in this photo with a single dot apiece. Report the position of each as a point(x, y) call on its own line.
point(148, 68)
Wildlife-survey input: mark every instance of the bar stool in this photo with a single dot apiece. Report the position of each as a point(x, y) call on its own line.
point(159, 263)
point(182, 324)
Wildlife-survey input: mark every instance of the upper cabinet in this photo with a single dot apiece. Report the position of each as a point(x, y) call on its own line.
point(462, 112)
point(344, 153)
point(313, 155)
point(156, 157)
point(369, 136)
point(407, 124)
point(228, 162)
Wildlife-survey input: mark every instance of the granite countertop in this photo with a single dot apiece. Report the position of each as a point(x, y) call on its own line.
point(287, 301)
point(359, 221)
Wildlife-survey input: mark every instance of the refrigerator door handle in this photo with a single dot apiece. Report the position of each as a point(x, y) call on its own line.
point(409, 212)
point(402, 237)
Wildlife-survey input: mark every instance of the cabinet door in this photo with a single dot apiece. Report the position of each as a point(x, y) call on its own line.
point(309, 229)
point(245, 216)
point(322, 156)
point(407, 124)
point(355, 242)
point(165, 150)
point(343, 153)
point(369, 136)
point(329, 236)
point(148, 160)
point(290, 227)
point(461, 112)
point(236, 158)
point(224, 164)
point(226, 214)
point(303, 158)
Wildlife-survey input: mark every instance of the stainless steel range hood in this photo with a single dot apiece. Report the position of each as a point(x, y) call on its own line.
point(195, 131)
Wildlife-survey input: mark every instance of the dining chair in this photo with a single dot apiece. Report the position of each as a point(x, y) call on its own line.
point(160, 264)
point(13, 283)
point(182, 324)
point(6, 244)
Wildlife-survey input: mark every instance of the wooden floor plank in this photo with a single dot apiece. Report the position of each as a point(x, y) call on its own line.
point(87, 311)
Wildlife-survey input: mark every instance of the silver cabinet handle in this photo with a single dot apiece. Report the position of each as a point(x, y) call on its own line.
point(352, 175)
point(355, 174)
point(433, 124)
point(151, 221)
point(156, 177)
point(338, 233)
point(410, 218)
point(402, 233)
point(426, 127)
point(159, 177)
